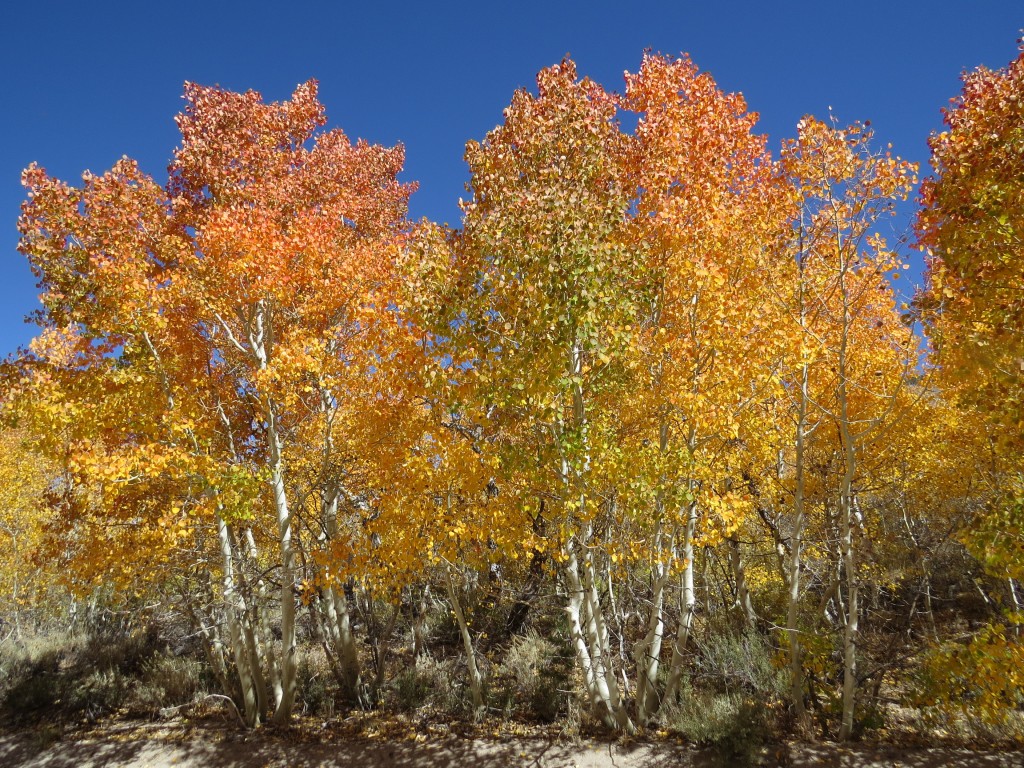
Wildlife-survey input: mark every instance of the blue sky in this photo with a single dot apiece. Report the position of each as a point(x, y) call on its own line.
point(84, 83)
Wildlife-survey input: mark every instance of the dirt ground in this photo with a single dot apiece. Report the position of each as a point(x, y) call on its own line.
point(142, 745)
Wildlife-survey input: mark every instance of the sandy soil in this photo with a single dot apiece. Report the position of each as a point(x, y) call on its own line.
point(139, 745)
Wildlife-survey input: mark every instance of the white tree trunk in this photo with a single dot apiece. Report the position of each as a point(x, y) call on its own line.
point(337, 617)
point(739, 573)
point(598, 672)
point(419, 633)
point(589, 628)
point(648, 650)
point(848, 550)
point(284, 676)
point(852, 614)
point(289, 657)
point(476, 681)
point(234, 610)
point(796, 663)
point(689, 607)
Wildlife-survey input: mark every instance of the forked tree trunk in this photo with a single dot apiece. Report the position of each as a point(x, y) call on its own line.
point(647, 653)
point(259, 641)
point(234, 610)
point(586, 617)
point(284, 675)
point(586, 623)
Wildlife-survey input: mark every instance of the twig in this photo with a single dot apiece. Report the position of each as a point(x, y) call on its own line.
point(229, 700)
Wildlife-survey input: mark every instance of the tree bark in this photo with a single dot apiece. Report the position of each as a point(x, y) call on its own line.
point(648, 650)
point(337, 616)
point(598, 672)
point(689, 606)
point(476, 682)
point(234, 609)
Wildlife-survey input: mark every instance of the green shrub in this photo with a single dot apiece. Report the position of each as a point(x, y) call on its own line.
point(65, 677)
point(433, 683)
point(97, 693)
point(730, 661)
point(33, 690)
point(318, 692)
point(127, 652)
point(31, 682)
point(733, 725)
point(166, 682)
point(533, 679)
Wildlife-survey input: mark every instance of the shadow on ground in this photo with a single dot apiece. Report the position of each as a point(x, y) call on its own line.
point(160, 747)
point(199, 749)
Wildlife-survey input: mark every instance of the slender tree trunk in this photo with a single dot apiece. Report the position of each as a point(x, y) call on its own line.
point(928, 607)
point(519, 614)
point(846, 512)
point(380, 641)
point(852, 614)
point(476, 681)
point(256, 627)
point(289, 657)
point(688, 595)
point(648, 650)
point(213, 650)
point(599, 632)
point(285, 677)
point(689, 606)
point(206, 628)
point(598, 672)
point(233, 610)
point(15, 597)
point(739, 574)
point(1013, 594)
point(599, 699)
point(419, 620)
point(590, 632)
point(619, 618)
point(797, 685)
point(337, 615)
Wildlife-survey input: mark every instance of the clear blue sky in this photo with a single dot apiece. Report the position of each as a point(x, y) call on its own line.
point(83, 83)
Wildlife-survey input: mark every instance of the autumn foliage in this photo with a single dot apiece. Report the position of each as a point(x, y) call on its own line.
point(657, 388)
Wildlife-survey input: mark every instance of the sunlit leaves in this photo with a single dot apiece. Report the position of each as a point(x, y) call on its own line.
point(971, 225)
point(610, 359)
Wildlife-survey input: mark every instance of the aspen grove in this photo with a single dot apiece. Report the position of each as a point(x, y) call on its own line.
point(656, 394)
